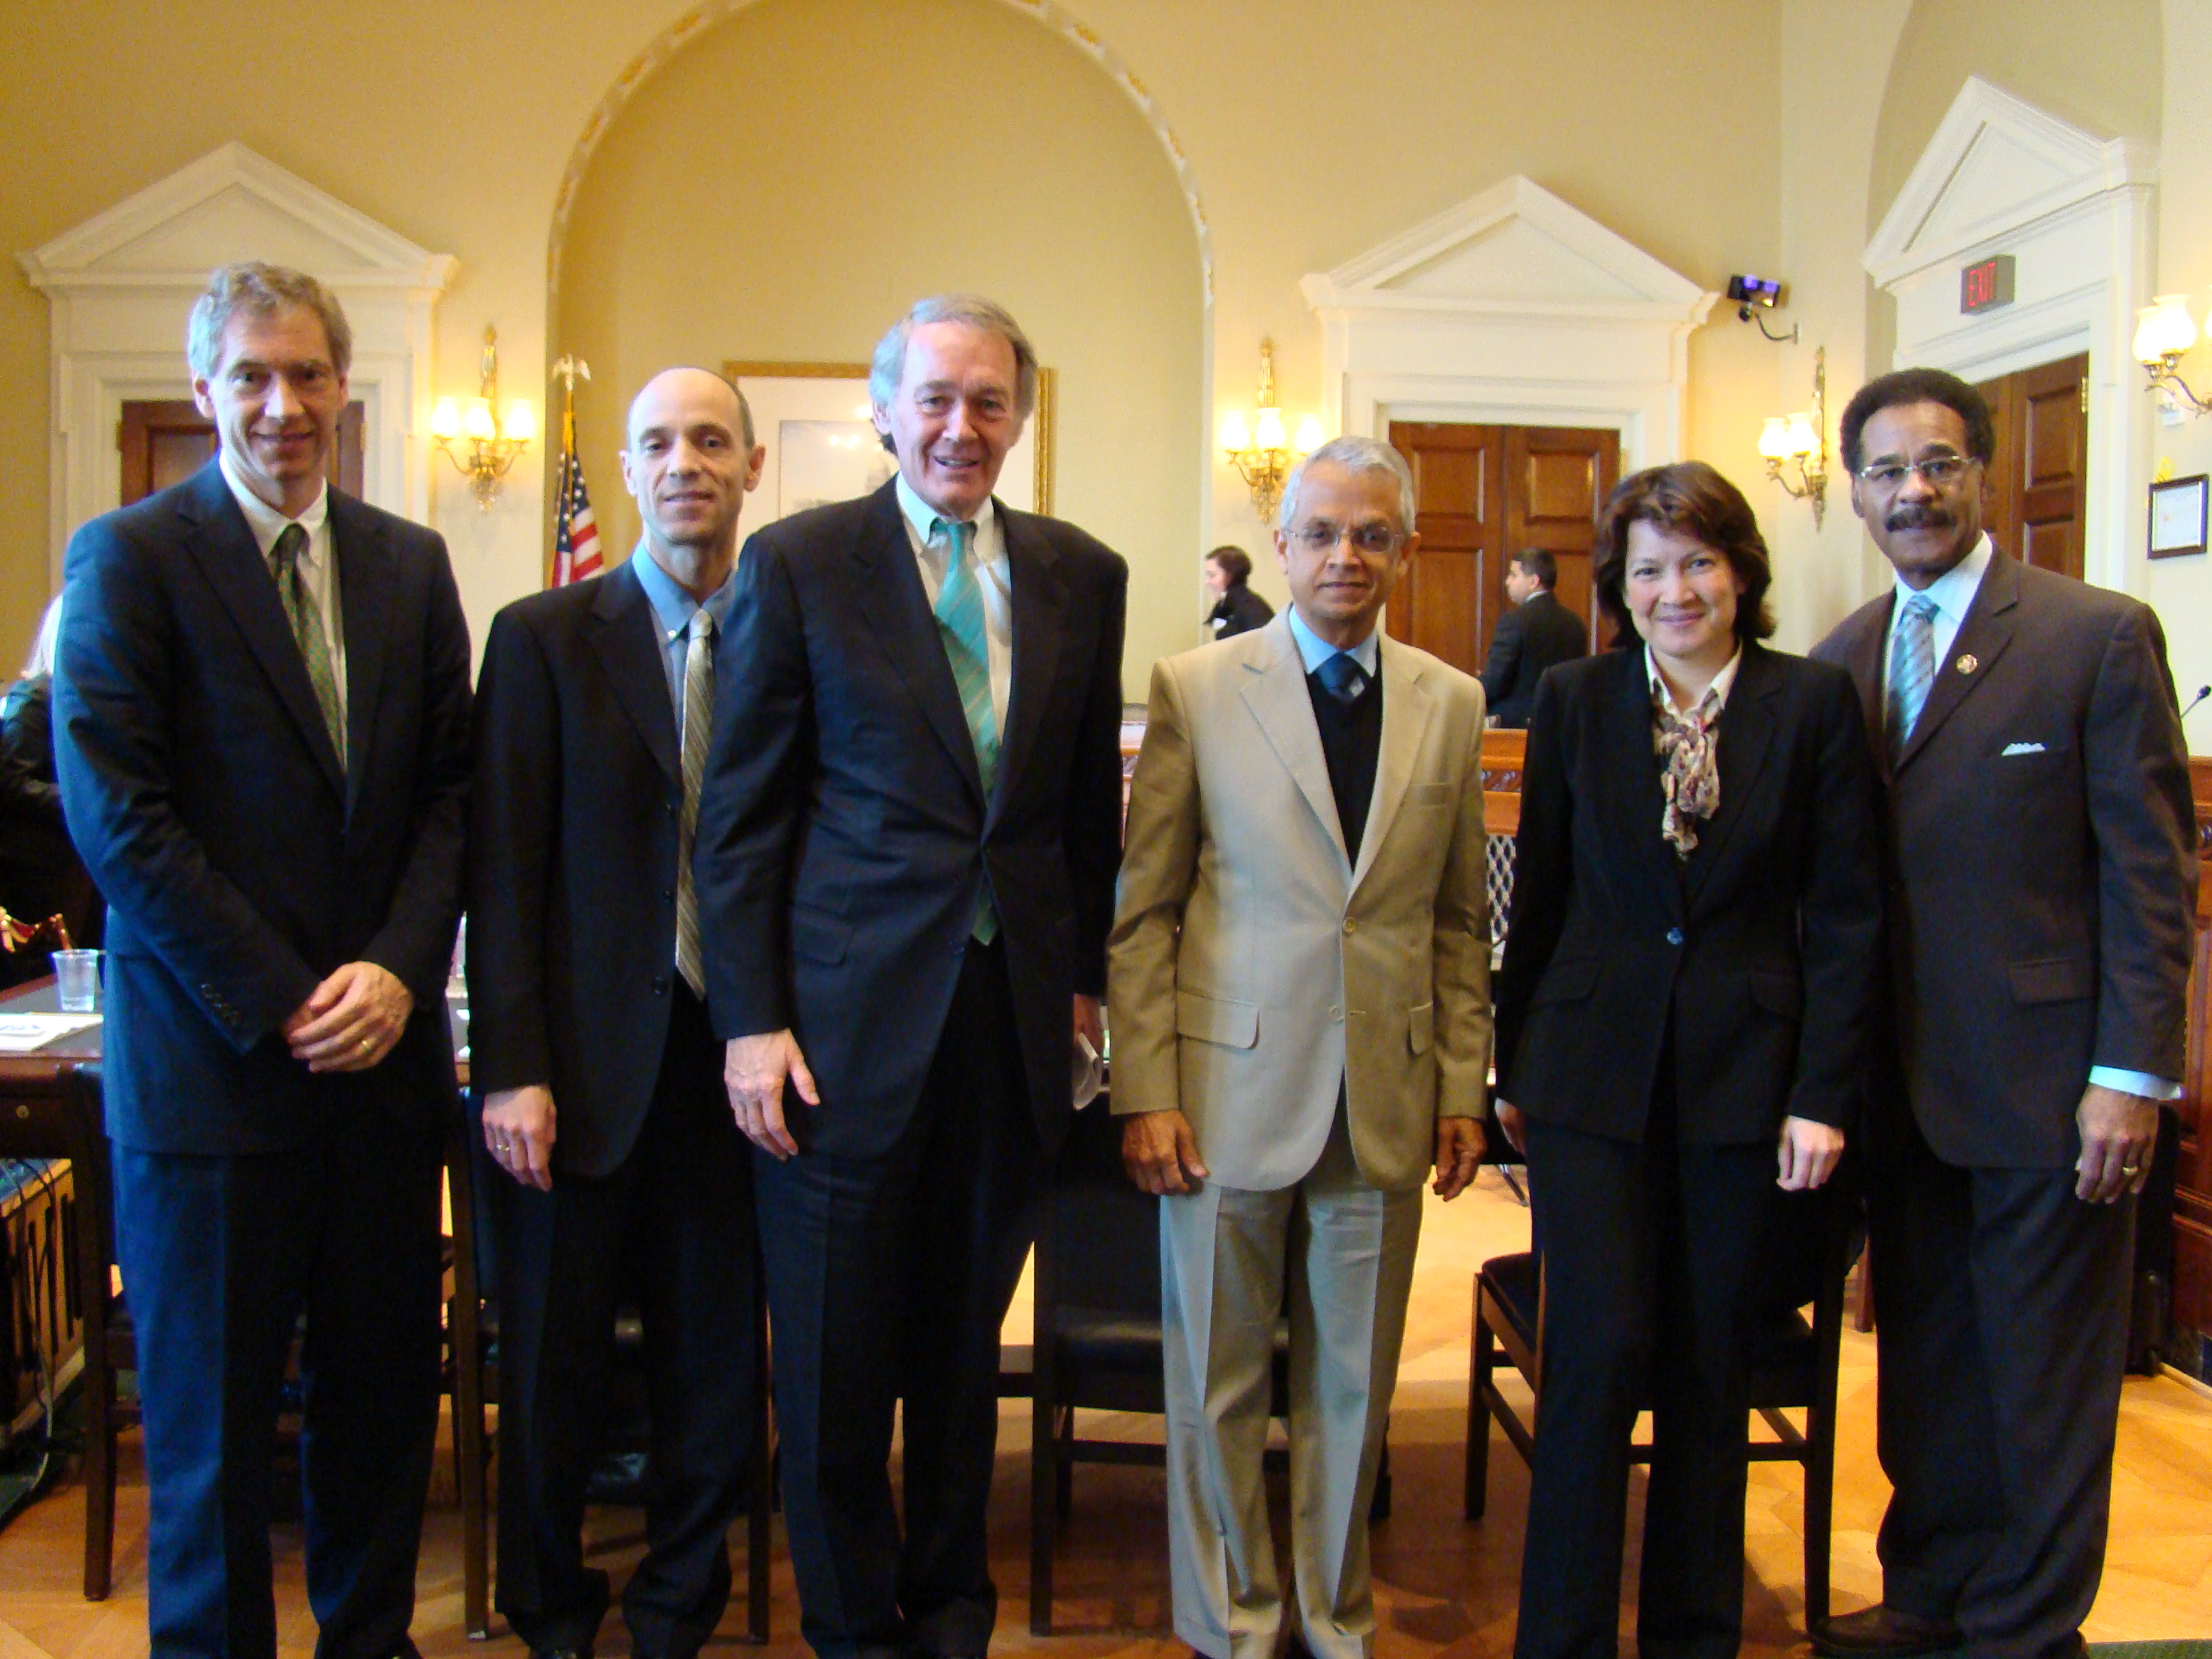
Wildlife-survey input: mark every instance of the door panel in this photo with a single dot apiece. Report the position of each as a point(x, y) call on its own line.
point(1557, 480)
point(164, 441)
point(2038, 478)
point(1447, 600)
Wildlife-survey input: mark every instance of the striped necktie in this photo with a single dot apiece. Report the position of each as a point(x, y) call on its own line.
point(301, 610)
point(1912, 669)
point(960, 623)
point(698, 728)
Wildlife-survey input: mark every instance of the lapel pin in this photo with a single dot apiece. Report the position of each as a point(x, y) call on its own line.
point(1968, 663)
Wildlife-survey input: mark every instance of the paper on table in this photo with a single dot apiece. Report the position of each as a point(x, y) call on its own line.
point(21, 1033)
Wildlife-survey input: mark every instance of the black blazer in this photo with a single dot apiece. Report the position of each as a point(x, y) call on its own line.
point(241, 865)
point(572, 861)
point(1759, 955)
point(843, 833)
point(1529, 638)
point(1240, 610)
point(2040, 857)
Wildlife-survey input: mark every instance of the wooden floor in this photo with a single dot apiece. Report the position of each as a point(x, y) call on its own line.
point(1440, 1582)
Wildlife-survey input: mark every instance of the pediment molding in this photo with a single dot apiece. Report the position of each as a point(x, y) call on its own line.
point(1512, 250)
point(1995, 165)
point(174, 231)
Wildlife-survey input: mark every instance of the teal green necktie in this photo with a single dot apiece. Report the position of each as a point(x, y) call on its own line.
point(960, 621)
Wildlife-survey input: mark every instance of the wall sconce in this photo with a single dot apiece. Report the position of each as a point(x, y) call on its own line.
point(1801, 439)
point(2163, 332)
point(493, 444)
point(1259, 451)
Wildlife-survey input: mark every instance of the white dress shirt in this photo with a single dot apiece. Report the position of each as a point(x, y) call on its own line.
point(1953, 593)
point(318, 564)
point(987, 544)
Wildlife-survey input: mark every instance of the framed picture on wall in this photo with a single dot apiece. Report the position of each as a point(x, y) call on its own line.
point(813, 420)
point(2178, 517)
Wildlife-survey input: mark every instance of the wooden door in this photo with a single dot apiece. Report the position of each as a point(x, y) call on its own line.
point(164, 441)
point(2038, 479)
point(1482, 492)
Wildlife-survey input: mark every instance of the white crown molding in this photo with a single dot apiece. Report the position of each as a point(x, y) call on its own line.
point(120, 286)
point(2046, 166)
point(1373, 278)
point(96, 253)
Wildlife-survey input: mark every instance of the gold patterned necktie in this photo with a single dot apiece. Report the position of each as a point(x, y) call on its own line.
point(698, 729)
point(306, 621)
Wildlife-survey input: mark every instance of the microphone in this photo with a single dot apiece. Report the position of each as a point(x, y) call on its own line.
point(2203, 692)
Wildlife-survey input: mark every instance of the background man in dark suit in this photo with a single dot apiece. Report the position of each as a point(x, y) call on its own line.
point(2041, 883)
point(262, 713)
point(601, 1076)
point(1534, 632)
point(907, 847)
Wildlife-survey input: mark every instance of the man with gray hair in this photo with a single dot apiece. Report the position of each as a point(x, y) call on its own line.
point(1299, 975)
point(262, 734)
point(906, 853)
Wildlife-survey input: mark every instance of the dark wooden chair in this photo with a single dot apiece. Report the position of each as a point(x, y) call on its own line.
point(472, 1378)
point(1097, 1345)
point(1793, 1369)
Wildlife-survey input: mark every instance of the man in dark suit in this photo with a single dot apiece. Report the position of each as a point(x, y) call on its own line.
point(601, 1077)
point(262, 713)
point(2041, 886)
point(1535, 632)
point(907, 849)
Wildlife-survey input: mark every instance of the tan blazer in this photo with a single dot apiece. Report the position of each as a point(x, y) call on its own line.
point(1251, 967)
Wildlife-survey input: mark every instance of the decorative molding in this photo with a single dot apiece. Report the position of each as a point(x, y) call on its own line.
point(2076, 214)
point(1511, 307)
point(672, 39)
point(1995, 164)
point(120, 286)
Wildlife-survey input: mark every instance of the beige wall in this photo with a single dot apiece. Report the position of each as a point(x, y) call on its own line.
point(1719, 135)
point(788, 185)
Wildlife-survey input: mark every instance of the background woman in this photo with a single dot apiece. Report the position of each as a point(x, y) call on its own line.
point(1681, 1017)
point(1238, 609)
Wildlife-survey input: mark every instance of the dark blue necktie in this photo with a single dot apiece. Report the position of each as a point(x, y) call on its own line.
point(1342, 677)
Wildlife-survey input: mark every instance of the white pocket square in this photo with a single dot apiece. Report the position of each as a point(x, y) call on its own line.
point(2023, 748)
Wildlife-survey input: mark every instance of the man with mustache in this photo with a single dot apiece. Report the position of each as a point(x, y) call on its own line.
point(261, 730)
point(600, 1075)
point(906, 860)
point(2041, 883)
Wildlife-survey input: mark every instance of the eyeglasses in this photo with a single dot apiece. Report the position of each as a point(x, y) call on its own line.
point(1940, 471)
point(1321, 537)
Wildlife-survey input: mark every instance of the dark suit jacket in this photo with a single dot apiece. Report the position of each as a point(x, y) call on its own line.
point(1761, 953)
point(1240, 610)
point(572, 861)
point(241, 865)
point(1529, 638)
point(843, 834)
point(2040, 901)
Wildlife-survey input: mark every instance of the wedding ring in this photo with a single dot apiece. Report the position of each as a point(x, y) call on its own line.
point(2130, 1169)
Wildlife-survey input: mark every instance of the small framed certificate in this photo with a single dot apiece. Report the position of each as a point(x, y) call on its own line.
point(2178, 517)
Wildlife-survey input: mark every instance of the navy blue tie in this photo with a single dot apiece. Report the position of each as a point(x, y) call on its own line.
point(1342, 677)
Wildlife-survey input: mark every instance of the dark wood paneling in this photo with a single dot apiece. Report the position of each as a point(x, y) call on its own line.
point(2037, 480)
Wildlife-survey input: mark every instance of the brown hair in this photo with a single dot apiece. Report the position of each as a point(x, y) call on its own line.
point(1236, 564)
point(1692, 498)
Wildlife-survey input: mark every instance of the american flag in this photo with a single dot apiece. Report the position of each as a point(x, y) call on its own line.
point(576, 534)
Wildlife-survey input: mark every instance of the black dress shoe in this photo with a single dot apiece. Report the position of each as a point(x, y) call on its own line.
point(1882, 1631)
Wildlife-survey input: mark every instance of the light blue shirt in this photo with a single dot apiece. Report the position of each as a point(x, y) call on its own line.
point(1315, 651)
point(1953, 594)
point(672, 610)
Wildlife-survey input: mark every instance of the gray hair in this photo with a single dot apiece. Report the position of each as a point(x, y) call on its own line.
point(888, 366)
point(260, 290)
point(1353, 454)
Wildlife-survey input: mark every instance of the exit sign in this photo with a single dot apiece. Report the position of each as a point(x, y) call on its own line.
point(1986, 286)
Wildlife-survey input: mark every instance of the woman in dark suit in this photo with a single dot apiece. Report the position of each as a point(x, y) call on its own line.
point(1238, 609)
point(1681, 1023)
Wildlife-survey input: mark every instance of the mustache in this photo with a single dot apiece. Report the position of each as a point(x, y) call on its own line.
point(1919, 515)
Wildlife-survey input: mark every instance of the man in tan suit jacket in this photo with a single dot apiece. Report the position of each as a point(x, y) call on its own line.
point(1298, 981)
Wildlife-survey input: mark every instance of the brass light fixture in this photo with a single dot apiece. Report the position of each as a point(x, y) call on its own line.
point(2163, 333)
point(1801, 440)
point(495, 443)
point(1258, 451)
